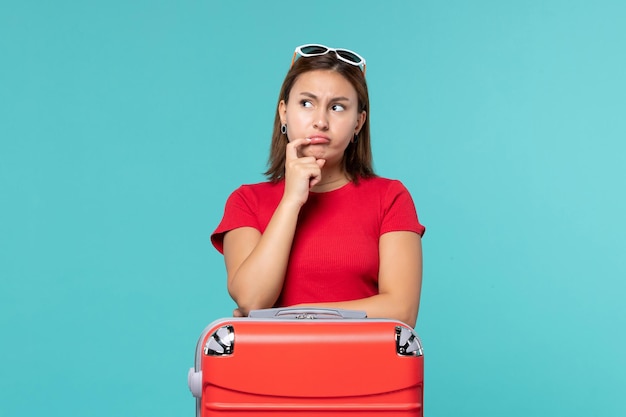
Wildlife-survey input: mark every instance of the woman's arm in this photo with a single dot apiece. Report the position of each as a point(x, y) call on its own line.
point(256, 263)
point(399, 280)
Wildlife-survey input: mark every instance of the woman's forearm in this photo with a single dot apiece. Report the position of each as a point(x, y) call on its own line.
point(256, 270)
point(379, 306)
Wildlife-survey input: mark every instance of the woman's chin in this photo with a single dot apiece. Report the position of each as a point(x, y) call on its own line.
point(315, 153)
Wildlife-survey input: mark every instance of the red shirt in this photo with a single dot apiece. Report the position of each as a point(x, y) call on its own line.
point(334, 256)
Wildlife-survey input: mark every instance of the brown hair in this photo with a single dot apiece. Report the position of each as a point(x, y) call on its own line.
point(357, 159)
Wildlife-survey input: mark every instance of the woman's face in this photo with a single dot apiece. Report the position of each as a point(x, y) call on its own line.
point(322, 106)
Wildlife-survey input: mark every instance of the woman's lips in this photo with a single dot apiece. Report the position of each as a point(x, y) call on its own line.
point(318, 140)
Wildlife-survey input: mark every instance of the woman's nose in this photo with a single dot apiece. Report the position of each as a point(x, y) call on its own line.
point(321, 120)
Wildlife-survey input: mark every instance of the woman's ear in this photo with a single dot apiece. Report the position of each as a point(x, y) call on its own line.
point(282, 111)
point(360, 122)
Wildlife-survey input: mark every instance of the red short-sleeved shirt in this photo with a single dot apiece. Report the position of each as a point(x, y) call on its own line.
point(334, 256)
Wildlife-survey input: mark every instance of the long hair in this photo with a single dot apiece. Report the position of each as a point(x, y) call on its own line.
point(357, 159)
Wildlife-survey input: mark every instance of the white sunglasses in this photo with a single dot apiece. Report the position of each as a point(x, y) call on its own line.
point(344, 55)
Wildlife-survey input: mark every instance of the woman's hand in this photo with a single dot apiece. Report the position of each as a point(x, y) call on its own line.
point(301, 172)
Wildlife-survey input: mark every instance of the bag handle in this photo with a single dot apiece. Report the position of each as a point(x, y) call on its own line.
point(306, 313)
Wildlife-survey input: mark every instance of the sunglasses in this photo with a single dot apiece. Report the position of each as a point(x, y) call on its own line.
point(345, 55)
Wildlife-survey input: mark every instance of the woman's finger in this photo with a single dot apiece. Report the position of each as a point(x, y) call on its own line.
point(293, 147)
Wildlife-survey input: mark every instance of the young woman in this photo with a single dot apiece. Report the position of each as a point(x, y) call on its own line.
point(324, 230)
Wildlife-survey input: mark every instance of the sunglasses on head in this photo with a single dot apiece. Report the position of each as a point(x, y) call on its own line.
point(345, 55)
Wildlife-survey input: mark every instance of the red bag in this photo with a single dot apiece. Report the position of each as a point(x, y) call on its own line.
point(308, 362)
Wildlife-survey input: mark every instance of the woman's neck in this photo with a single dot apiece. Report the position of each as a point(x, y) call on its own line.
point(331, 181)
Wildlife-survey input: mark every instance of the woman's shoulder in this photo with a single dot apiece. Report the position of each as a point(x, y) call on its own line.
point(380, 183)
point(260, 188)
point(382, 189)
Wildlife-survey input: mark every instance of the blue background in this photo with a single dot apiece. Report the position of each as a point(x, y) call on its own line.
point(125, 125)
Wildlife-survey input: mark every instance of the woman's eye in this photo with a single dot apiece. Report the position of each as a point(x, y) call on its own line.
point(338, 107)
point(306, 103)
